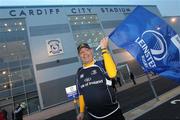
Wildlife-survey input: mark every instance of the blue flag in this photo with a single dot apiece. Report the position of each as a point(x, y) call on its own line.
point(151, 41)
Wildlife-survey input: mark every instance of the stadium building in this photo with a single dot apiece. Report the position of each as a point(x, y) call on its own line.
point(38, 55)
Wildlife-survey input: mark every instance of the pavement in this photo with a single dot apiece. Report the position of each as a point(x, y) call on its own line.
point(138, 101)
point(169, 110)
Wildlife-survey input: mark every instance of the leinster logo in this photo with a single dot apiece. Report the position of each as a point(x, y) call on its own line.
point(158, 45)
point(154, 47)
point(54, 47)
point(93, 72)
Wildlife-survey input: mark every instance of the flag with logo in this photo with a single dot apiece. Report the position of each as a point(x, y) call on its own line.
point(151, 41)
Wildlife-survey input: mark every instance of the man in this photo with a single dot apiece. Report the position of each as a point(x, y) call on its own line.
point(95, 90)
point(132, 78)
point(19, 111)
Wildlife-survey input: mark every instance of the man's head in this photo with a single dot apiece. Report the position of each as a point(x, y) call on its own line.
point(83, 45)
point(85, 52)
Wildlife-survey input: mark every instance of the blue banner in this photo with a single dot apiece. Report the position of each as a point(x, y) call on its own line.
point(72, 96)
point(151, 41)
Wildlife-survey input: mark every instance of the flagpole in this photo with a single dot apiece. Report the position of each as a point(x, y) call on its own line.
point(152, 87)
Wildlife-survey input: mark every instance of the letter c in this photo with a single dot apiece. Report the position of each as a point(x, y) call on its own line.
point(12, 12)
point(73, 10)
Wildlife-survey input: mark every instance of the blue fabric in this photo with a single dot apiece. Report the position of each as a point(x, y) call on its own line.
point(152, 42)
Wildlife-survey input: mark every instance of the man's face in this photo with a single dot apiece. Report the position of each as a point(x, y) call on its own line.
point(86, 55)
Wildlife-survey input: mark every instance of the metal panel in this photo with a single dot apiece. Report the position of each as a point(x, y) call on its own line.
point(53, 92)
point(56, 63)
point(85, 27)
point(110, 24)
point(49, 29)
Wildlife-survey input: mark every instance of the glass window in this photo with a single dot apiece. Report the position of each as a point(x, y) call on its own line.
point(3, 47)
point(32, 94)
point(29, 81)
point(5, 86)
point(5, 94)
point(19, 98)
point(87, 28)
point(6, 101)
point(16, 74)
point(4, 76)
point(13, 63)
point(30, 87)
point(27, 73)
point(17, 91)
point(17, 84)
point(26, 61)
point(16, 69)
point(33, 105)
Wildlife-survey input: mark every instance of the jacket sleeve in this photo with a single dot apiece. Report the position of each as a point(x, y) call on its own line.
point(81, 98)
point(109, 64)
point(81, 103)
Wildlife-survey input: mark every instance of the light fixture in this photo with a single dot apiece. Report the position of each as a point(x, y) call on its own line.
point(9, 30)
point(173, 20)
point(4, 86)
point(4, 46)
point(23, 43)
point(9, 75)
point(12, 54)
point(22, 29)
point(4, 72)
point(5, 24)
point(20, 23)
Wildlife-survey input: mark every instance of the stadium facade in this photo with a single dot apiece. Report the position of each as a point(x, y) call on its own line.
point(38, 56)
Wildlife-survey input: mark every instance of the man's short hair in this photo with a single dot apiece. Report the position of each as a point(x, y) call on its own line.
point(83, 45)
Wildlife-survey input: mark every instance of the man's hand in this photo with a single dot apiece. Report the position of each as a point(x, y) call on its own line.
point(80, 116)
point(104, 43)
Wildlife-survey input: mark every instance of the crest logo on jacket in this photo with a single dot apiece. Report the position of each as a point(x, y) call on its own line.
point(93, 72)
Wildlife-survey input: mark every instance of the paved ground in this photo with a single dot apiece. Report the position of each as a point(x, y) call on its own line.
point(166, 111)
point(142, 93)
point(133, 97)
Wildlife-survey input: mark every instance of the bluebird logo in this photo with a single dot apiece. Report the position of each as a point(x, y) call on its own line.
point(54, 47)
point(154, 47)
